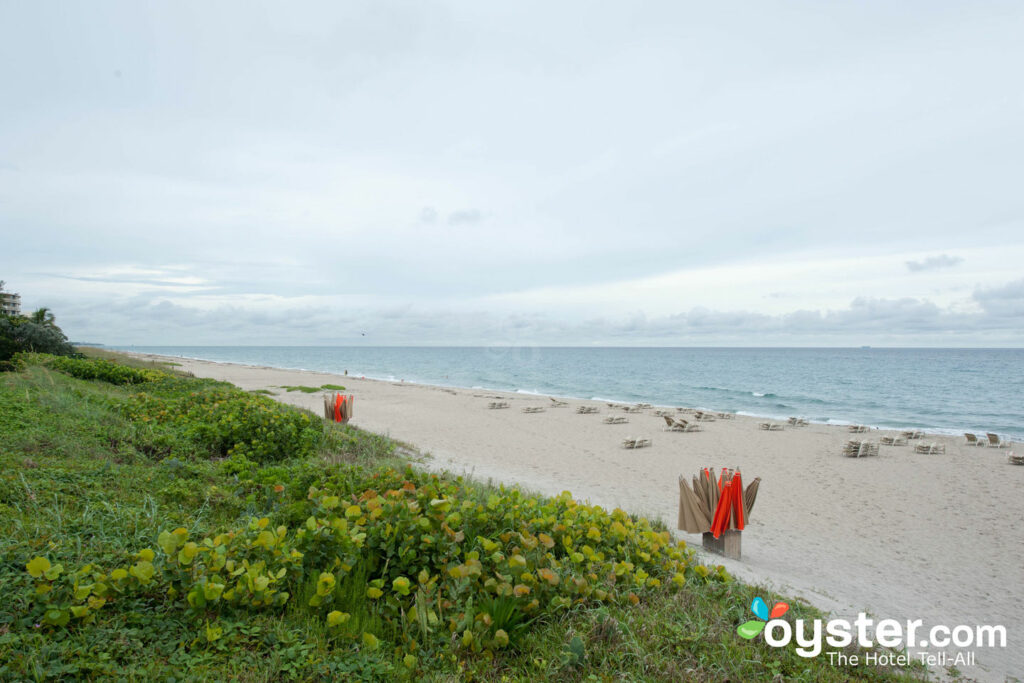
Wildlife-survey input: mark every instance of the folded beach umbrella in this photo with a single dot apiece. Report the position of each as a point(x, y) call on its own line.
point(722, 513)
point(701, 494)
point(738, 515)
point(751, 495)
point(710, 492)
point(692, 518)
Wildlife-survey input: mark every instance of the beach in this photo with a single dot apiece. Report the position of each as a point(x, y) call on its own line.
point(903, 535)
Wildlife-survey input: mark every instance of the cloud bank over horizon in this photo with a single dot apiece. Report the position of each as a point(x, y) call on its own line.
point(449, 173)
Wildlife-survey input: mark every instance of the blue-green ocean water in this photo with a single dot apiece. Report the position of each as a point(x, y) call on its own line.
point(940, 390)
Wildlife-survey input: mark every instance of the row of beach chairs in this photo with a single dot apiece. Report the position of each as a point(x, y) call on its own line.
point(993, 440)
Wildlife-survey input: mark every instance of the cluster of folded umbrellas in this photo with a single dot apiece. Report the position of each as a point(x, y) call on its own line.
point(711, 504)
point(338, 407)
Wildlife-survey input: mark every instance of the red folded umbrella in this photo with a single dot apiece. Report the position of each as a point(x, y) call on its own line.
point(737, 501)
point(337, 407)
point(721, 519)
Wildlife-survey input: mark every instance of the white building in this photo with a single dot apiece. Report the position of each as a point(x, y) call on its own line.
point(10, 304)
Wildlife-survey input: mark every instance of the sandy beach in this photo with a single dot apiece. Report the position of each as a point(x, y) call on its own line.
point(903, 535)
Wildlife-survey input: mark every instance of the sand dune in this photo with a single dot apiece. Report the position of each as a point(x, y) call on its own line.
point(902, 535)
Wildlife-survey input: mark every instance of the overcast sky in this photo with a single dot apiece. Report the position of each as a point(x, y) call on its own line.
point(761, 173)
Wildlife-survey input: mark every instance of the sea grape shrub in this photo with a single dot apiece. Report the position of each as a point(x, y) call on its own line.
point(438, 563)
point(102, 370)
point(229, 422)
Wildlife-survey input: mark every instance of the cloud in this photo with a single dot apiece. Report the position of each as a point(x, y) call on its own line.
point(464, 217)
point(1004, 302)
point(934, 262)
point(999, 320)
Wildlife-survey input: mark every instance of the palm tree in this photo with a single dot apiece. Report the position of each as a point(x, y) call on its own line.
point(43, 316)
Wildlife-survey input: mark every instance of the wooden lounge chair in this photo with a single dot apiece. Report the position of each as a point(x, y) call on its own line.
point(894, 441)
point(972, 440)
point(860, 449)
point(930, 448)
point(857, 429)
point(1015, 459)
point(497, 405)
point(586, 410)
point(994, 442)
point(533, 409)
point(680, 425)
point(797, 422)
point(771, 427)
point(911, 435)
point(615, 421)
point(636, 443)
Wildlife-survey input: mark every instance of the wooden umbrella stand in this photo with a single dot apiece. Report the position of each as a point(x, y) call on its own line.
point(727, 544)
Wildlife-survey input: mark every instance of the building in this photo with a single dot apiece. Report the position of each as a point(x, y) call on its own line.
point(10, 304)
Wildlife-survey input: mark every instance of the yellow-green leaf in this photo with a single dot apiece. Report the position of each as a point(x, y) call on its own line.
point(337, 618)
point(37, 566)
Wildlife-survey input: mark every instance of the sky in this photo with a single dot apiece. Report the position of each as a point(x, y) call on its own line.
point(463, 173)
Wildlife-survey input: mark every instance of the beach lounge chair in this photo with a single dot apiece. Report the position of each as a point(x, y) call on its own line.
point(771, 427)
point(643, 405)
point(894, 441)
point(497, 405)
point(857, 429)
point(702, 416)
point(1015, 459)
point(533, 409)
point(586, 410)
point(555, 403)
point(797, 422)
point(972, 440)
point(994, 442)
point(615, 421)
point(911, 435)
point(860, 449)
point(631, 409)
point(725, 416)
point(636, 443)
point(930, 448)
point(680, 425)
point(663, 413)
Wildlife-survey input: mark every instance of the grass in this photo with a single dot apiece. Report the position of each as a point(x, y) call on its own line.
point(313, 390)
point(85, 480)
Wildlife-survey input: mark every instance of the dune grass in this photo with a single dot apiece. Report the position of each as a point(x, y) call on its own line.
point(92, 473)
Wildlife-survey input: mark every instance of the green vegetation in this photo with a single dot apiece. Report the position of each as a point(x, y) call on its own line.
point(35, 333)
point(313, 390)
point(163, 527)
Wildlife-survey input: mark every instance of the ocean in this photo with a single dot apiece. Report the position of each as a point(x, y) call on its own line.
point(937, 390)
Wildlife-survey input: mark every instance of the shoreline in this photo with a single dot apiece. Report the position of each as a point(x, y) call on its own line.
point(835, 422)
point(902, 535)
